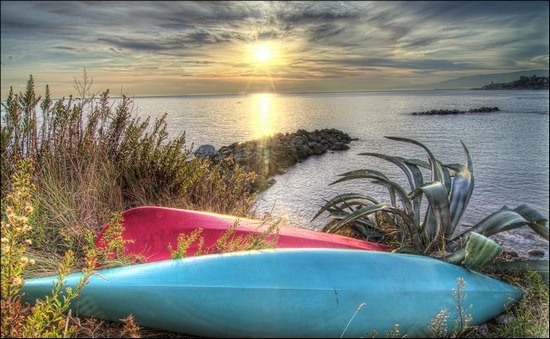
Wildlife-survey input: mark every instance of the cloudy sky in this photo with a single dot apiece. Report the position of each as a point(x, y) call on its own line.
point(173, 48)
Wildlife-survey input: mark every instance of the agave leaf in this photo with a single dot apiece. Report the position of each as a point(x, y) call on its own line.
point(480, 251)
point(436, 168)
point(457, 257)
point(367, 231)
point(462, 189)
point(539, 266)
point(362, 213)
point(447, 178)
point(469, 161)
point(359, 224)
point(343, 198)
point(366, 223)
point(438, 216)
point(537, 221)
point(407, 250)
point(368, 210)
point(418, 163)
point(413, 173)
point(502, 220)
point(368, 174)
point(392, 187)
point(364, 171)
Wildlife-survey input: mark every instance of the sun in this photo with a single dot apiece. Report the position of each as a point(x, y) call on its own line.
point(262, 53)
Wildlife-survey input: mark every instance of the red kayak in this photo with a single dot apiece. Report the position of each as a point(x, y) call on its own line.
point(152, 229)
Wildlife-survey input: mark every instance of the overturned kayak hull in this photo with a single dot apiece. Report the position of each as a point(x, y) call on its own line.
point(287, 293)
point(151, 229)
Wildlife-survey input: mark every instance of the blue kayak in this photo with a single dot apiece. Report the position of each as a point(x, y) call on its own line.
point(286, 293)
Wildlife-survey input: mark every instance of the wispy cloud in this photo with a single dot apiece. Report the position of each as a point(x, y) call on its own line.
point(129, 41)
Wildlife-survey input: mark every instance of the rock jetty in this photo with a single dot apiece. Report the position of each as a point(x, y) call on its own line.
point(272, 155)
point(456, 111)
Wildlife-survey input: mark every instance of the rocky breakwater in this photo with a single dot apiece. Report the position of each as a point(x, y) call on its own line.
point(456, 111)
point(272, 155)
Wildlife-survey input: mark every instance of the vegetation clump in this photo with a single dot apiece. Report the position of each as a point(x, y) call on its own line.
point(428, 230)
point(70, 166)
point(229, 241)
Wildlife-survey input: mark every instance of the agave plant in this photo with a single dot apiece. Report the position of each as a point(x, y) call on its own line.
point(429, 230)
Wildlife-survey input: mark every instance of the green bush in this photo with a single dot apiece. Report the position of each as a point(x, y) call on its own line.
point(95, 156)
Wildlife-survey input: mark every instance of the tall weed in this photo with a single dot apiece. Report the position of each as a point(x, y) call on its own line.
point(46, 318)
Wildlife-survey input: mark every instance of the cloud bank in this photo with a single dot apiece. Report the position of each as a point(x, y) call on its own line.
point(156, 48)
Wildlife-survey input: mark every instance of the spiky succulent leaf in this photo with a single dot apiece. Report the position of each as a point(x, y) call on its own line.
point(364, 171)
point(447, 177)
point(502, 220)
point(413, 173)
point(368, 210)
point(358, 174)
point(407, 250)
point(364, 225)
point(392, 187)
point(418, 163)
point(469, 161)
point(438, 216)
point(367, 231)
point(344, 199)
point(438, 173)
point(480, 251)
point(448, 195)
point(461, 191)
point(537, 221)
point(462, 188)
point(456, 257)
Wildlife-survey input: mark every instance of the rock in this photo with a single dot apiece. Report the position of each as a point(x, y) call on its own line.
point(505, 318)
point(535, 253)
point(205, 150)
point(456, 111)
point(272, 155)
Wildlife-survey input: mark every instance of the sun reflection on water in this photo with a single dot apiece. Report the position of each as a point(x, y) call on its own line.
point(264, 115)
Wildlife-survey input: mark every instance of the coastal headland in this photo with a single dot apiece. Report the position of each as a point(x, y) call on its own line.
point(532, 83)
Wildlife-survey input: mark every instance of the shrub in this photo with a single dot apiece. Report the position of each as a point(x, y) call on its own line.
point(95, 157)
point(83, 160)
point(427, 231)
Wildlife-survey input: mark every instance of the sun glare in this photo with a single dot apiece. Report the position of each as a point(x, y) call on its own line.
point(262, 53)
point(264, 117)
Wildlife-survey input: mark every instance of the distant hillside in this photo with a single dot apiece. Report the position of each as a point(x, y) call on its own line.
point(478, 81)
point(532, 82)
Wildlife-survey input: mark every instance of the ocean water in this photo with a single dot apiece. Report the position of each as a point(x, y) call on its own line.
point(510, 148)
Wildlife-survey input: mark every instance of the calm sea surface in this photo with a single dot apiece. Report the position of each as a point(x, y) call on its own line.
point(509, 148)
